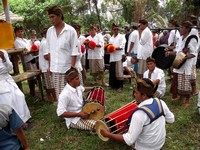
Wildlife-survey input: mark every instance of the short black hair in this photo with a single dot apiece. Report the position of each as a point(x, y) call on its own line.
point(56, 10)
point(145, 86)
point(18, 28)
point(71, 74)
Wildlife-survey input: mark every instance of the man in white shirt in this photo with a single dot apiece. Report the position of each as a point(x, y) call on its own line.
point(174, 34)
point(95, 56)
point(116, 68)
point(70, 103)
point(145, 131)
point(35, 44)
point(157, 76)
point(145, 48)
point(44, 66)
point(62, 43)
point(21, 42)
point(195, 32)
point(133, 43)
point(185, 71)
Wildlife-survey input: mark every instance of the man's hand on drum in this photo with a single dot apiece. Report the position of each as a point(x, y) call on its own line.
point(104, 132)
point(83, 115)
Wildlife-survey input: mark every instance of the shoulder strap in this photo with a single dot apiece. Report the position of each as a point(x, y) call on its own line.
point(189, 39)
point(154, 111)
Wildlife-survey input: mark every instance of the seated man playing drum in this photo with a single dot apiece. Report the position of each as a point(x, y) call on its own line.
point(70, 103)
point(157, 76)
point(146, 132)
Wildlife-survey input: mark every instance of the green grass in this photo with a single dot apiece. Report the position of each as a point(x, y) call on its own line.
point(183, 134)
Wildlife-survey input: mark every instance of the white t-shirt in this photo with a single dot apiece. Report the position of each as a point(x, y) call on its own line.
point(152, 136)
point(23, 43)
point(118, 41)
point(145, 48)
point(96, 53)
point(70, 100)
point(157, 74)
point(62, 48)
point(134, 38)
point(43, 63)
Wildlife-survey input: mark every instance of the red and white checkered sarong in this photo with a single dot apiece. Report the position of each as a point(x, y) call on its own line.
point(59, 82)
point(184, 84)
point(84, 124)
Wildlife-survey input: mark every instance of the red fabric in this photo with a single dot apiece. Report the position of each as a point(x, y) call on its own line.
point(82, 49)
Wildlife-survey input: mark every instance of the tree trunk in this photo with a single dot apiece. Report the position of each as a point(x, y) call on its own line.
point(97, 11)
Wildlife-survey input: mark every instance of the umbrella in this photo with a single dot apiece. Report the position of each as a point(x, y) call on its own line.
point(13, 17)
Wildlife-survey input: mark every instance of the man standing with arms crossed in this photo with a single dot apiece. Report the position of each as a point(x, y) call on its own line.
point(62, 46)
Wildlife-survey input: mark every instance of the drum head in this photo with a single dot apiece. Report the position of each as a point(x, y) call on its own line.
point(162, 62)
point(95, 110)
point(101, 125)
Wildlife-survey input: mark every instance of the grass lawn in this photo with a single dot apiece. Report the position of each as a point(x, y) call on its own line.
point(51, 133)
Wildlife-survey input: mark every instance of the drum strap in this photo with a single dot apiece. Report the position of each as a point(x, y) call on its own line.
point(189, 38)
point(185, 49)
point(154, 111)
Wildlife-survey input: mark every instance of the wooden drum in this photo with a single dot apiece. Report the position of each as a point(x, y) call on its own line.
point(95, 103)
point(116, 122)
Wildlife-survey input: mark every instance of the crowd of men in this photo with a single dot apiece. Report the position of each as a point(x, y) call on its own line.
point(61, 57)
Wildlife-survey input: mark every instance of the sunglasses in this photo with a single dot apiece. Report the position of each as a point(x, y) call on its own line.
point(116, 29)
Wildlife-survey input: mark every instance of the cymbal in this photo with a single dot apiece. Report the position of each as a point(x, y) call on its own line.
point(101, 125)
point(95, 110)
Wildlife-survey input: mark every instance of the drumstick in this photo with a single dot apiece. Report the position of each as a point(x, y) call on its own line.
point(118, 123)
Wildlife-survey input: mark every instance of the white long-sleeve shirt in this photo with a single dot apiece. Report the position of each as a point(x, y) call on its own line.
point(62, 48)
